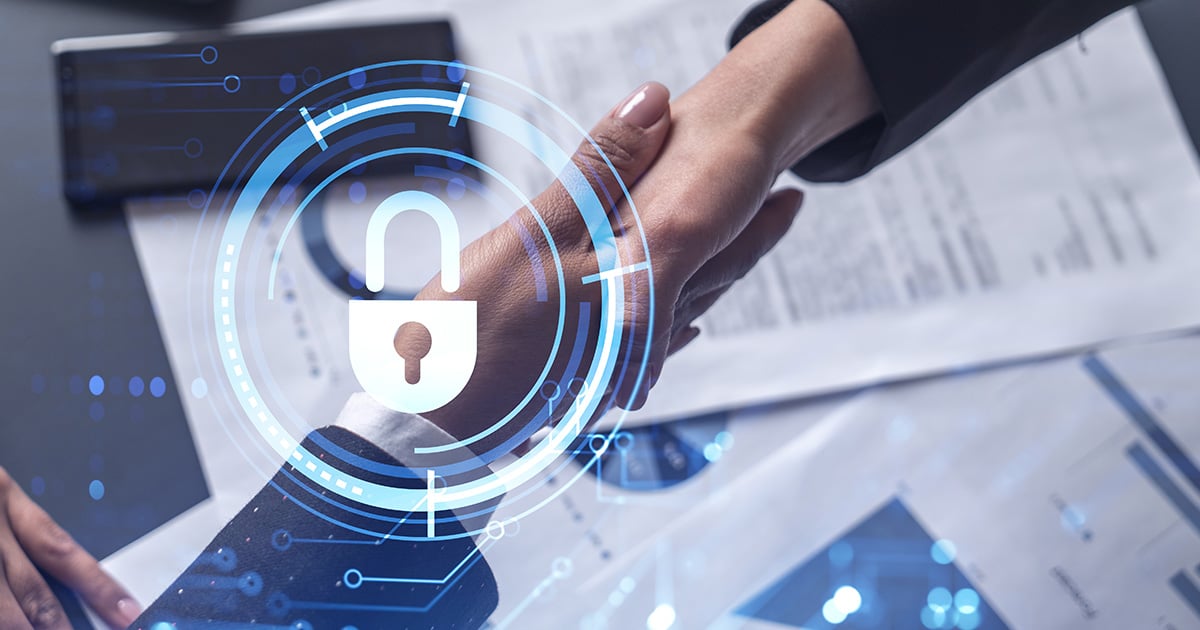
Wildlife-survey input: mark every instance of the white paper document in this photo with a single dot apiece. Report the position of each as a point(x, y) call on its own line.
point(1059, 495)
point(1057, 211)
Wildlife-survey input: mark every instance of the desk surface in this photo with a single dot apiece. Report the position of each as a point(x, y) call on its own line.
point(78, 307)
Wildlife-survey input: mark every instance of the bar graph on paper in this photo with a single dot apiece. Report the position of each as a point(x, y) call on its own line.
point(1164, 463)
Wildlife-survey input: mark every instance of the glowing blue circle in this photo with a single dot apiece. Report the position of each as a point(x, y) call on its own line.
point(232, 83)
point(661, 618)
point(943, 551)
point(841, 554)
point(199, 387)
point(287, 83)
point(136, 386)
point(712, 452)
point(939, 598)
point(456, 71)
point(96, 385)
point(158, 387)
point(611, 312)
point(358, 79)
point(832, 613)
point(966, 600)
point(933, 619)
point(96, 489)
point(969, 621)
point(847, 599)
point(208, 56)
point(193, 148)
point(357, 192)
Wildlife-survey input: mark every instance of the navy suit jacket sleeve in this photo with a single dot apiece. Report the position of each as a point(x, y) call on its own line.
point(926, 59)
point(283, 562)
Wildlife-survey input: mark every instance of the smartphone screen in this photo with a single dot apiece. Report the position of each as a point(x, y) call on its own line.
point(164, 112)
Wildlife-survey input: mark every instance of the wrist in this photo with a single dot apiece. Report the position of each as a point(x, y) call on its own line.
point(791, 85)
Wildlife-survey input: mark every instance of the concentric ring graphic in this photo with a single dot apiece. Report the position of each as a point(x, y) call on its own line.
point(477, 481)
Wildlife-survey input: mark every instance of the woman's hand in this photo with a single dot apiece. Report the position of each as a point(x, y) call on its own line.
point(31, 540)
point(686, 181)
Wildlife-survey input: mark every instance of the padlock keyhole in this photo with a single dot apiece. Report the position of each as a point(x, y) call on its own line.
point(412, 343)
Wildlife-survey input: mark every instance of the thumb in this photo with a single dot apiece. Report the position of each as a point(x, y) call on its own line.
point(628, 138)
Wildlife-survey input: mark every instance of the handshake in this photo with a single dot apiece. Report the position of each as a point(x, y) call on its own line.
point(700, 171)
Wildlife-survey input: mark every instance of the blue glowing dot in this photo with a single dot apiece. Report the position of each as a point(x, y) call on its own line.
point(96, 385)
point(136, 386)
point(456, 71)
point(943, 551)
point(96, 489)
point(712, 452)
point(232, 83)
point(661, 618)
point(966, 600)
point(96, 411)
point(358, 78)
point(196, 198)
point(37, 486)
point(199, 387)
point(162, 625)
point(158, 387)
point(628, 584)
point(939, 598)
point(358, 192)
point(841, 554)
point(933, 619)
point(287, 83)
point(456, 188)
point(724, 439)
point(832, 613)
point(847, 599)
point(969, 621)
point(38, 383)
point(208, 56)
point(310, 75)
point(193, 148)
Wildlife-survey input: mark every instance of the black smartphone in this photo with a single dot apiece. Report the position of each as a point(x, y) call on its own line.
point(161, 113)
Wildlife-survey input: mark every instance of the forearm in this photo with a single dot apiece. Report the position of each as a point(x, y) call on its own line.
point(923, 59)
point(790, 86)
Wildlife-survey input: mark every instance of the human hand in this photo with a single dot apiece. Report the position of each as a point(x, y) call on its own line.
point(29, 540)
point(516, 330)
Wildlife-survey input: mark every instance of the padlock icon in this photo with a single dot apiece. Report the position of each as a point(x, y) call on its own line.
point(452, 325)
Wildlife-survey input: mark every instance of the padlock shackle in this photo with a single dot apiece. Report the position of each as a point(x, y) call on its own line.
point(423, 202)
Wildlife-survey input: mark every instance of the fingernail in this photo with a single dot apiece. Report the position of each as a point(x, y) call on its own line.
point(645, 106)
point(128, 611)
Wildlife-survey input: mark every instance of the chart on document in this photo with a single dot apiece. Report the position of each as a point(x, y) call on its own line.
point(1064, 494)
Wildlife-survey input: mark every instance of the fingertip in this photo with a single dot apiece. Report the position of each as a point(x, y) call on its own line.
point(127, 612)
point(646, 106)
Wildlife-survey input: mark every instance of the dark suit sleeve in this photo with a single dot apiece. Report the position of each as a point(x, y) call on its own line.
point(926, 59)
point(283, 561)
